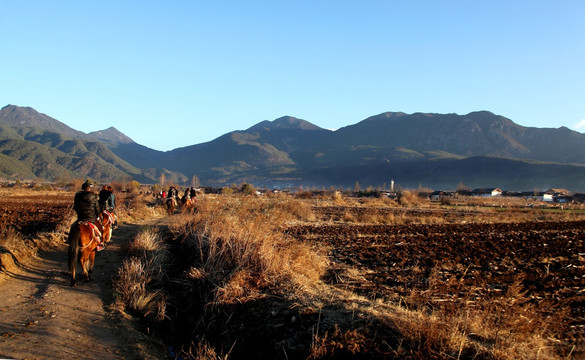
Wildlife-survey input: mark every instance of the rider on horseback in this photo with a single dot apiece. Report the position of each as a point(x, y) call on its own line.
point(106, 201)
point(86, 207)
point(186, 197)
point(173, 193)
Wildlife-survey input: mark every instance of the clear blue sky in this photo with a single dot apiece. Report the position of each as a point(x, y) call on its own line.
point(175, 73)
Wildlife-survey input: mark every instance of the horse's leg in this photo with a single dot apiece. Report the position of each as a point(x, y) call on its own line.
point(72, 283)
point(86, 238)
point(72, 269)
point(107, 231)
point(85, 264)
point(91, 261)
point(74, 238)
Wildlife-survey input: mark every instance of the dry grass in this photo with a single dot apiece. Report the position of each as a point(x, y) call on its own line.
point(136, 207)
point(506, 328)
point(338, 343)
point(140, 276)
point(236, 254)
point(13, 249)
point(201, 351)
point(411, 198)
point(237, 244)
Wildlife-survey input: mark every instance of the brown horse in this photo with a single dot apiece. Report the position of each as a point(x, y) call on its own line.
point(170, 206)
point(84, 240)
point(188, 204)
point(107, 220)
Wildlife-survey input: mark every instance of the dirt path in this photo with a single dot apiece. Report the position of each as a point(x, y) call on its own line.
point(42, 317)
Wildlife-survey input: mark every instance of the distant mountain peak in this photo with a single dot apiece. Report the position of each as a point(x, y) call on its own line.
point(18, 116)
point(390, 114)
point(482, 112)
point(110, 135)
point(285, 122)
point(27, 117)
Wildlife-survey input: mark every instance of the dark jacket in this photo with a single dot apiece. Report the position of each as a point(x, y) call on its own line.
point(106, 200)
point(86, 206)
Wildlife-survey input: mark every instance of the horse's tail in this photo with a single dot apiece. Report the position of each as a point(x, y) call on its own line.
point(73, 250)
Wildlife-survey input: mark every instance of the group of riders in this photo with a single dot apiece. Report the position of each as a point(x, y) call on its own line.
point(96, 217)
point(172, 199)
point(90, 207)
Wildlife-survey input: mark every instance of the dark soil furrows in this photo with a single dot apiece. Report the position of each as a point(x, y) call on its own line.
point(465, 262)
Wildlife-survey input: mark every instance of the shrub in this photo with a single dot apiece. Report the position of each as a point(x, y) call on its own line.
point(337, 197)
point(133, 186)
point(247, 189)
point(117, 186)
point(410, 198)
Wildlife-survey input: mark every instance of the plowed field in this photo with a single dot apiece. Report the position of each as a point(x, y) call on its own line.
point(448, 265)
point(30, 214)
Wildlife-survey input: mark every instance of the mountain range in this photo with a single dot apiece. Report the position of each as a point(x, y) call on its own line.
point(438, 151)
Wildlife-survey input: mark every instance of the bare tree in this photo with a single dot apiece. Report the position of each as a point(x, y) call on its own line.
point(462, 187)
point(195, 181)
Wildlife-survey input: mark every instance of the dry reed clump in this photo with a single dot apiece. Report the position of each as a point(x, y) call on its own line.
point(381, 201)
point(293, 209)
point(363, 216)
point(131, 207)
point(371, 216)
point(237, 251)
point(338, 344)
point(201, 351)
point(348, 216)
point(140, 277)
point(147, 241)
point(411, 198)
point(231, 261)
point(337, 198)
point(13, 249)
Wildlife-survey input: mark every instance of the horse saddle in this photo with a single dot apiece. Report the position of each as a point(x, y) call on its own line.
point(111, 216)
point(93, 227)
